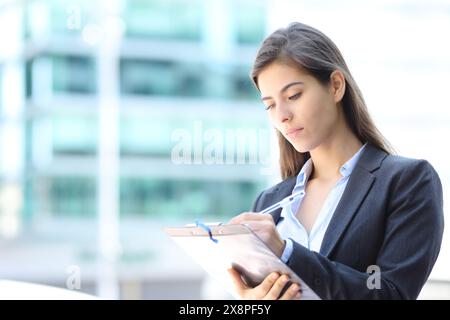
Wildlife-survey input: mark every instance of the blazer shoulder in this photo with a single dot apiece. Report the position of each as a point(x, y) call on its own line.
point(400, 163)
point(395, 165)
point(285, 184)
point(274, 193)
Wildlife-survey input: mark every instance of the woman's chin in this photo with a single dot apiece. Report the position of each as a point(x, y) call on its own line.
point(300, 148)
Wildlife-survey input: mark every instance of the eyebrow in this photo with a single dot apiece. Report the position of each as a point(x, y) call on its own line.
point(284, 88)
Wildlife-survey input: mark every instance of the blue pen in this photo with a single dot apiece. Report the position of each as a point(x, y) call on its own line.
point(281, 204)
point(284, 202)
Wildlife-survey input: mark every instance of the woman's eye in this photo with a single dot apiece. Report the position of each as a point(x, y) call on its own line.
point(295, 96)
point(269, 107)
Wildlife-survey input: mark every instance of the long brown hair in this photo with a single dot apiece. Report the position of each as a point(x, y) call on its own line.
point(312, 51)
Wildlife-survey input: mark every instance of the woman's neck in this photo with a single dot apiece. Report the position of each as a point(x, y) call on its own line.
point(329, 156)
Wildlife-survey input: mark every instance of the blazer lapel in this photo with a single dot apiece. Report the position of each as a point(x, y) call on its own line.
point(284, 190)
point(359, 184)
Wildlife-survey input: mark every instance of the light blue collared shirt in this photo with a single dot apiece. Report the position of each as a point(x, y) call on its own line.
point(291, 229)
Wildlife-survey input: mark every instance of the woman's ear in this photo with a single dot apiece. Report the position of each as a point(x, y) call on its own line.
point(337, 81)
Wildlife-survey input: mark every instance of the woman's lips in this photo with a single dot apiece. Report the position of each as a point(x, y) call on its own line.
point(293, 132)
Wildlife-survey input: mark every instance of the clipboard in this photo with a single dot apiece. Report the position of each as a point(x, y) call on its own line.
point(220, 247)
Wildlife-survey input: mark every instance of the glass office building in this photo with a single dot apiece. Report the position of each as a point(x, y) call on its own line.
point(182, 91)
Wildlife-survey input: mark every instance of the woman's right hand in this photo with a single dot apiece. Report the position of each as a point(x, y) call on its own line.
point(269, 289)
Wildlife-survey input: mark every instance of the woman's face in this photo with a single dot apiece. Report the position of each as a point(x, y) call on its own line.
point(300, 107)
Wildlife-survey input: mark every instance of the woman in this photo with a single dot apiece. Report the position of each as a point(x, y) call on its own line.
point(370, 223)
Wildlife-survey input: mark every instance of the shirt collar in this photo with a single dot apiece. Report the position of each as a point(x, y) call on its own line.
point(345, 170)
point(303, 176)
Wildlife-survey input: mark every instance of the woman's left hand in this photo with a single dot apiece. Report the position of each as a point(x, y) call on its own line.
point(264, 227)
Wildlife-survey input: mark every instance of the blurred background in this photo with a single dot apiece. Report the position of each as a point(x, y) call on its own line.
point(118, 118)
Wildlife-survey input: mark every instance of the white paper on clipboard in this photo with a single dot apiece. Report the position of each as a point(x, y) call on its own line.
point(237, 246)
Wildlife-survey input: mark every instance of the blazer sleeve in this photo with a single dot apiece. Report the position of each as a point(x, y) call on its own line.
point(256, 204)
point(411, 244)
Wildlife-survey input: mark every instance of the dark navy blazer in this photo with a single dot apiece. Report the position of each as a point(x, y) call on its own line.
point(390, 215)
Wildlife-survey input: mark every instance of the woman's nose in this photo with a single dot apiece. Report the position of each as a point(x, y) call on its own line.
point(283, 113)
